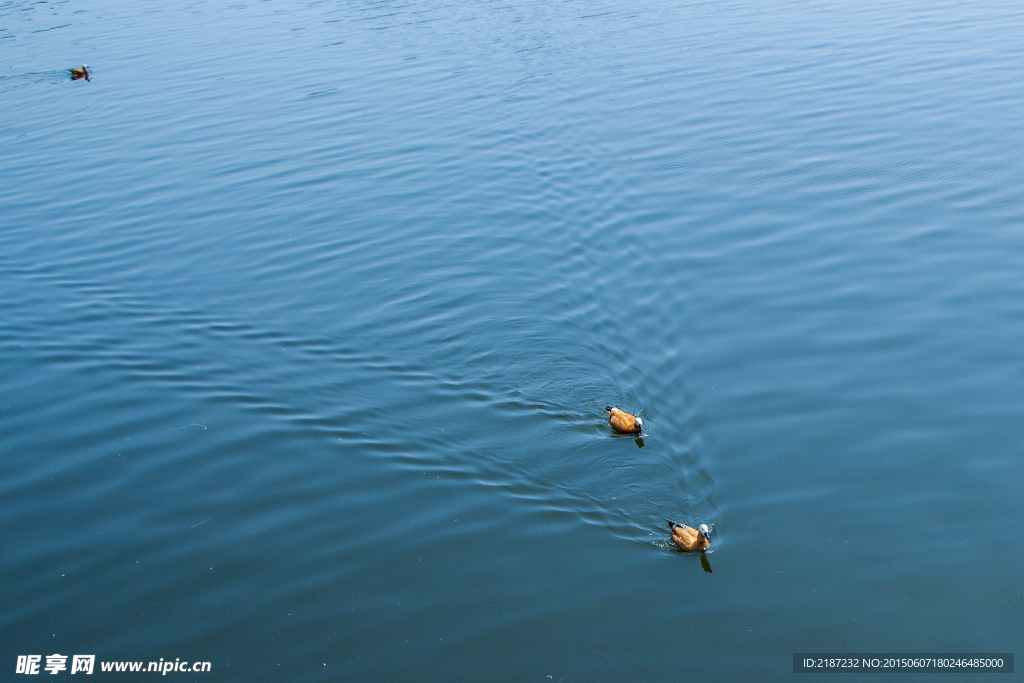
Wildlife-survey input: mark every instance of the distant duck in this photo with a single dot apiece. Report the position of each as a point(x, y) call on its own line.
point(689, 539)
point(77, 73)
point(624, 423)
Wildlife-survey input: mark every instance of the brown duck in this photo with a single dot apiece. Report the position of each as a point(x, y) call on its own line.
point(80, 72)
point(624, 423)
point(689, 539)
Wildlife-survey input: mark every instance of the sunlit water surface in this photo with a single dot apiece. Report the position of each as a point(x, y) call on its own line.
point(309, 313)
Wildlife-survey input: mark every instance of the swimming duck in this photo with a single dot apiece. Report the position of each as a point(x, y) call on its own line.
point(624, 423)
point(77, 73)
point(689, 539)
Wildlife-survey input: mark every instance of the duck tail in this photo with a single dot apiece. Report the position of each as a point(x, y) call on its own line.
point(671, 524)
point(608, 408)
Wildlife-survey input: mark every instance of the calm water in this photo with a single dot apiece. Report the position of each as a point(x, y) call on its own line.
point(309, 313)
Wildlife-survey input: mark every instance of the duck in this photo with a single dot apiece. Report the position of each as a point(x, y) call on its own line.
point(623, 422)
point(689, 539)
point(77, 73)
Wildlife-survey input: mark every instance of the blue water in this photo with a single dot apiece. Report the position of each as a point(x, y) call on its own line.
point(309, 313)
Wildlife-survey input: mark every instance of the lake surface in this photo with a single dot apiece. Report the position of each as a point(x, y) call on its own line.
point(309, 313)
